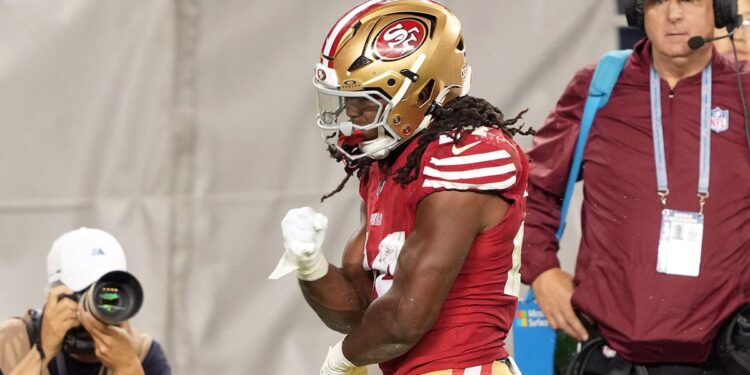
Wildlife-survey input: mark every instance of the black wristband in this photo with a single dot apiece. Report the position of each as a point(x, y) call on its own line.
point(40, 350)
point(38, 337)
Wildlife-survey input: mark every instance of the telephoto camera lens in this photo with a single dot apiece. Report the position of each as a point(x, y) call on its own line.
point(115, 297)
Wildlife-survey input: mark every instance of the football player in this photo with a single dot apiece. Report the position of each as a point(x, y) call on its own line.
point(429, 281)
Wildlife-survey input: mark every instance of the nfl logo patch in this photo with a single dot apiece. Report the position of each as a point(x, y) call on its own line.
point(719, 120)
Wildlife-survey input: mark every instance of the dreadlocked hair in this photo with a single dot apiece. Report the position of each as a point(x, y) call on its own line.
point(455, 119)
point(460, 116)
point(351, 167)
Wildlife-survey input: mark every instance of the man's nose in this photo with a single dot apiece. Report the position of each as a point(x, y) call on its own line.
point(352, 111)
point(674, 11)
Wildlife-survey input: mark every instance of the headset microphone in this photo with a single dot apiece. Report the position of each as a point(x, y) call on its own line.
point(698, 41)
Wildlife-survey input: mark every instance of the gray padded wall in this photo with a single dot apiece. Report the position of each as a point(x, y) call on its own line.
point(186, 129)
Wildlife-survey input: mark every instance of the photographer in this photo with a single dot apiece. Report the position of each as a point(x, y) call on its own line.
point(66, 338)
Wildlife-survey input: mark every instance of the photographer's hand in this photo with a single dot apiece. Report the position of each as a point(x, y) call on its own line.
point(115, 346)
point(60, 315)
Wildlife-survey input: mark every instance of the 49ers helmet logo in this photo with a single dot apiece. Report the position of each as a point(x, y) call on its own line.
point(400, 38)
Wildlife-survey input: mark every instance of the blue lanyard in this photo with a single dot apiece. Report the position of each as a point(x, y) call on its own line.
point(658, 135)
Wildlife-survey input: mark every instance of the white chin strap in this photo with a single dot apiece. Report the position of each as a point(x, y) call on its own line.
point(379, 147)
point(467, 82)
point(382, 145)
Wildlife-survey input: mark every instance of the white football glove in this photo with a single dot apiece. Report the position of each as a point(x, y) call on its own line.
point(337, 364)
point(304, 231)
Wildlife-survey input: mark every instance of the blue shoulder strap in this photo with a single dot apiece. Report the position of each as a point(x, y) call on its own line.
point(605, 76)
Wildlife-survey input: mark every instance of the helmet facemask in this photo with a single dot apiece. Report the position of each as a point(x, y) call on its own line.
point(340, 132)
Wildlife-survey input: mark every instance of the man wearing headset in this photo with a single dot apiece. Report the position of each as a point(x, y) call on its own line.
point(662, 265)
point(33, 344)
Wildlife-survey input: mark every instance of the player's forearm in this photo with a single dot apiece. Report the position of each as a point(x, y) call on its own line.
point(335, 299)
point(391, 326)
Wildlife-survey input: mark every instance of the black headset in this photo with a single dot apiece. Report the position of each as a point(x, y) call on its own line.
point(725, 13)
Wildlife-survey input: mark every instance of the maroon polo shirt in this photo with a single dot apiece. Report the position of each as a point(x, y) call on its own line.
point(645, 315)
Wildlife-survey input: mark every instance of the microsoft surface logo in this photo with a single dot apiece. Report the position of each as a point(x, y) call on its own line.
point(522, 318)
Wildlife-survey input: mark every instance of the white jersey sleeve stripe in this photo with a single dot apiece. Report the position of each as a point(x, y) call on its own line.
point(469, 174)
point(470, 159)
point(445, 139)
point(502, 185)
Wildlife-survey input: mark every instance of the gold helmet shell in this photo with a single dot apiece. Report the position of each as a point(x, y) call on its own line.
point(403, 54)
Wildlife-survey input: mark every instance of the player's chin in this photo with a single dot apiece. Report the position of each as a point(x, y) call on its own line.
point(369, 135)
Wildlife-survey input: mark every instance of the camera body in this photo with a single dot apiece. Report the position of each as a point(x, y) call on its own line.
point(115, 297)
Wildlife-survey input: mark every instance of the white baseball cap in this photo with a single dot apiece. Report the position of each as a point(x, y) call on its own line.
point(80, 257)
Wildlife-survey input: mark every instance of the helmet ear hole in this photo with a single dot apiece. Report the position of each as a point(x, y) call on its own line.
point(460, 45)
point(426, 93)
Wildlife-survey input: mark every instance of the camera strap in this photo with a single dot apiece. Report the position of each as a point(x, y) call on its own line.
point(33, 322)
point(34, 326)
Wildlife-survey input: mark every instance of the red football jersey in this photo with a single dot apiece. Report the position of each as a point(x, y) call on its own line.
point(478, 311)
